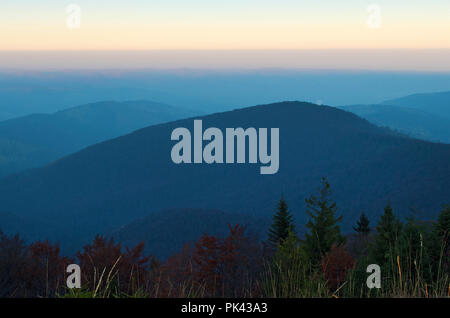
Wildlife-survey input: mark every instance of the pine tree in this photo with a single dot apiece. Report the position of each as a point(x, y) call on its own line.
point(282, 224)
point(442, 227)
point(413, 253)
point(323, 224)
point(362, 225)
point(388, 231)
point(441, 240)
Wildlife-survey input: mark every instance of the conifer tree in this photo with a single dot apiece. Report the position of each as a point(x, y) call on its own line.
point(442, 227)
point(324, 230)
point(388, 231)
point(441, 240)
point(282, 224)
point(362, 225)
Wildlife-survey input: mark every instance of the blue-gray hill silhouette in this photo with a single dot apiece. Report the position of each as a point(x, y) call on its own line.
point(411, 121)
point(33, 140)
point(113, 183)
point(433, 103)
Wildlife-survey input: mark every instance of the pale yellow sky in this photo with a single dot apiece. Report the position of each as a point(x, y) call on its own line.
point(224, 36)
point(383, 34)
point(244, 24)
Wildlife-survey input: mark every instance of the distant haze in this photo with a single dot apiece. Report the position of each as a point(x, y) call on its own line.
point(24, 92)
point(436, 60)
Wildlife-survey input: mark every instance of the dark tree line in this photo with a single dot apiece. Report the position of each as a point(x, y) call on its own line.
point(414, 257)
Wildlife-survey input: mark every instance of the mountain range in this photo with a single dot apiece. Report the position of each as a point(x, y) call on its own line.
point(112, 184)
point(433, 103)
point(37, 139)
point(209, 90)
point(424, 116)
point(410, 121)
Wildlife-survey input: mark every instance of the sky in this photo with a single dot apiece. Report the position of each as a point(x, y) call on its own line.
point(215, 25)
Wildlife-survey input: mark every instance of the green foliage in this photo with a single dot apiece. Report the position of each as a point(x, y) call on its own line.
point(388, 231)
point(362, 225)
point(324, 230)
point(290, 274)
point(440, 249)
point(109, 292)
point(442, 227)
point(282, 224)
point(413, 256)
point(408, 269)
point(290, 251)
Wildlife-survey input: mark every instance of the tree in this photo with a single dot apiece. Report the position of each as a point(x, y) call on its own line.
point(282, 224)
point(107, 265)
point(289, 274)
point(388, 231)
point(441, 240)
point(36, 270)
point(412, 249)
point(207, 271)
point(15, 277)
point(335, 266)
point(362, 225)
point(442, 227)
point(175, 277)
point(221, 267)
point(324, 230)
point(48, 268)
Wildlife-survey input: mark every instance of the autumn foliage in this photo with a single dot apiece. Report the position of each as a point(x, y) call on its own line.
point(213, 267)
point(30, 271)
point(48, 268)
point(235, 266)
point(335, 265)
point(105, 262)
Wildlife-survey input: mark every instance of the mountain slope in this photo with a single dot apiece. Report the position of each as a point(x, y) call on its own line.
point(108, 185)
point(433, 103)
point(34, 140)
point(410, 121)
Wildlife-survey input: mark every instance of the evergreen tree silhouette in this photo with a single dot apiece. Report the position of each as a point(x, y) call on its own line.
point(388, 232)
point(282, 224)
point(362, 225)
point(324, 230)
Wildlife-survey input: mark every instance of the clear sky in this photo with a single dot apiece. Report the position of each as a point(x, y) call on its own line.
point(224, 25)
point(219, 24)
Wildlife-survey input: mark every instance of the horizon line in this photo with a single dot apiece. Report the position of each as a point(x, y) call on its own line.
point(419, 60)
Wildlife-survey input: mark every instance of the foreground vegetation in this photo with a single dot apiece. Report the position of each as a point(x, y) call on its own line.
point(414, 257)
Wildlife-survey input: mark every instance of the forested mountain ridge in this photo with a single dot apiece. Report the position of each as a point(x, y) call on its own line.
point(410, 121)
point(33, 140)
point(113, 183)
point(433, 103)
